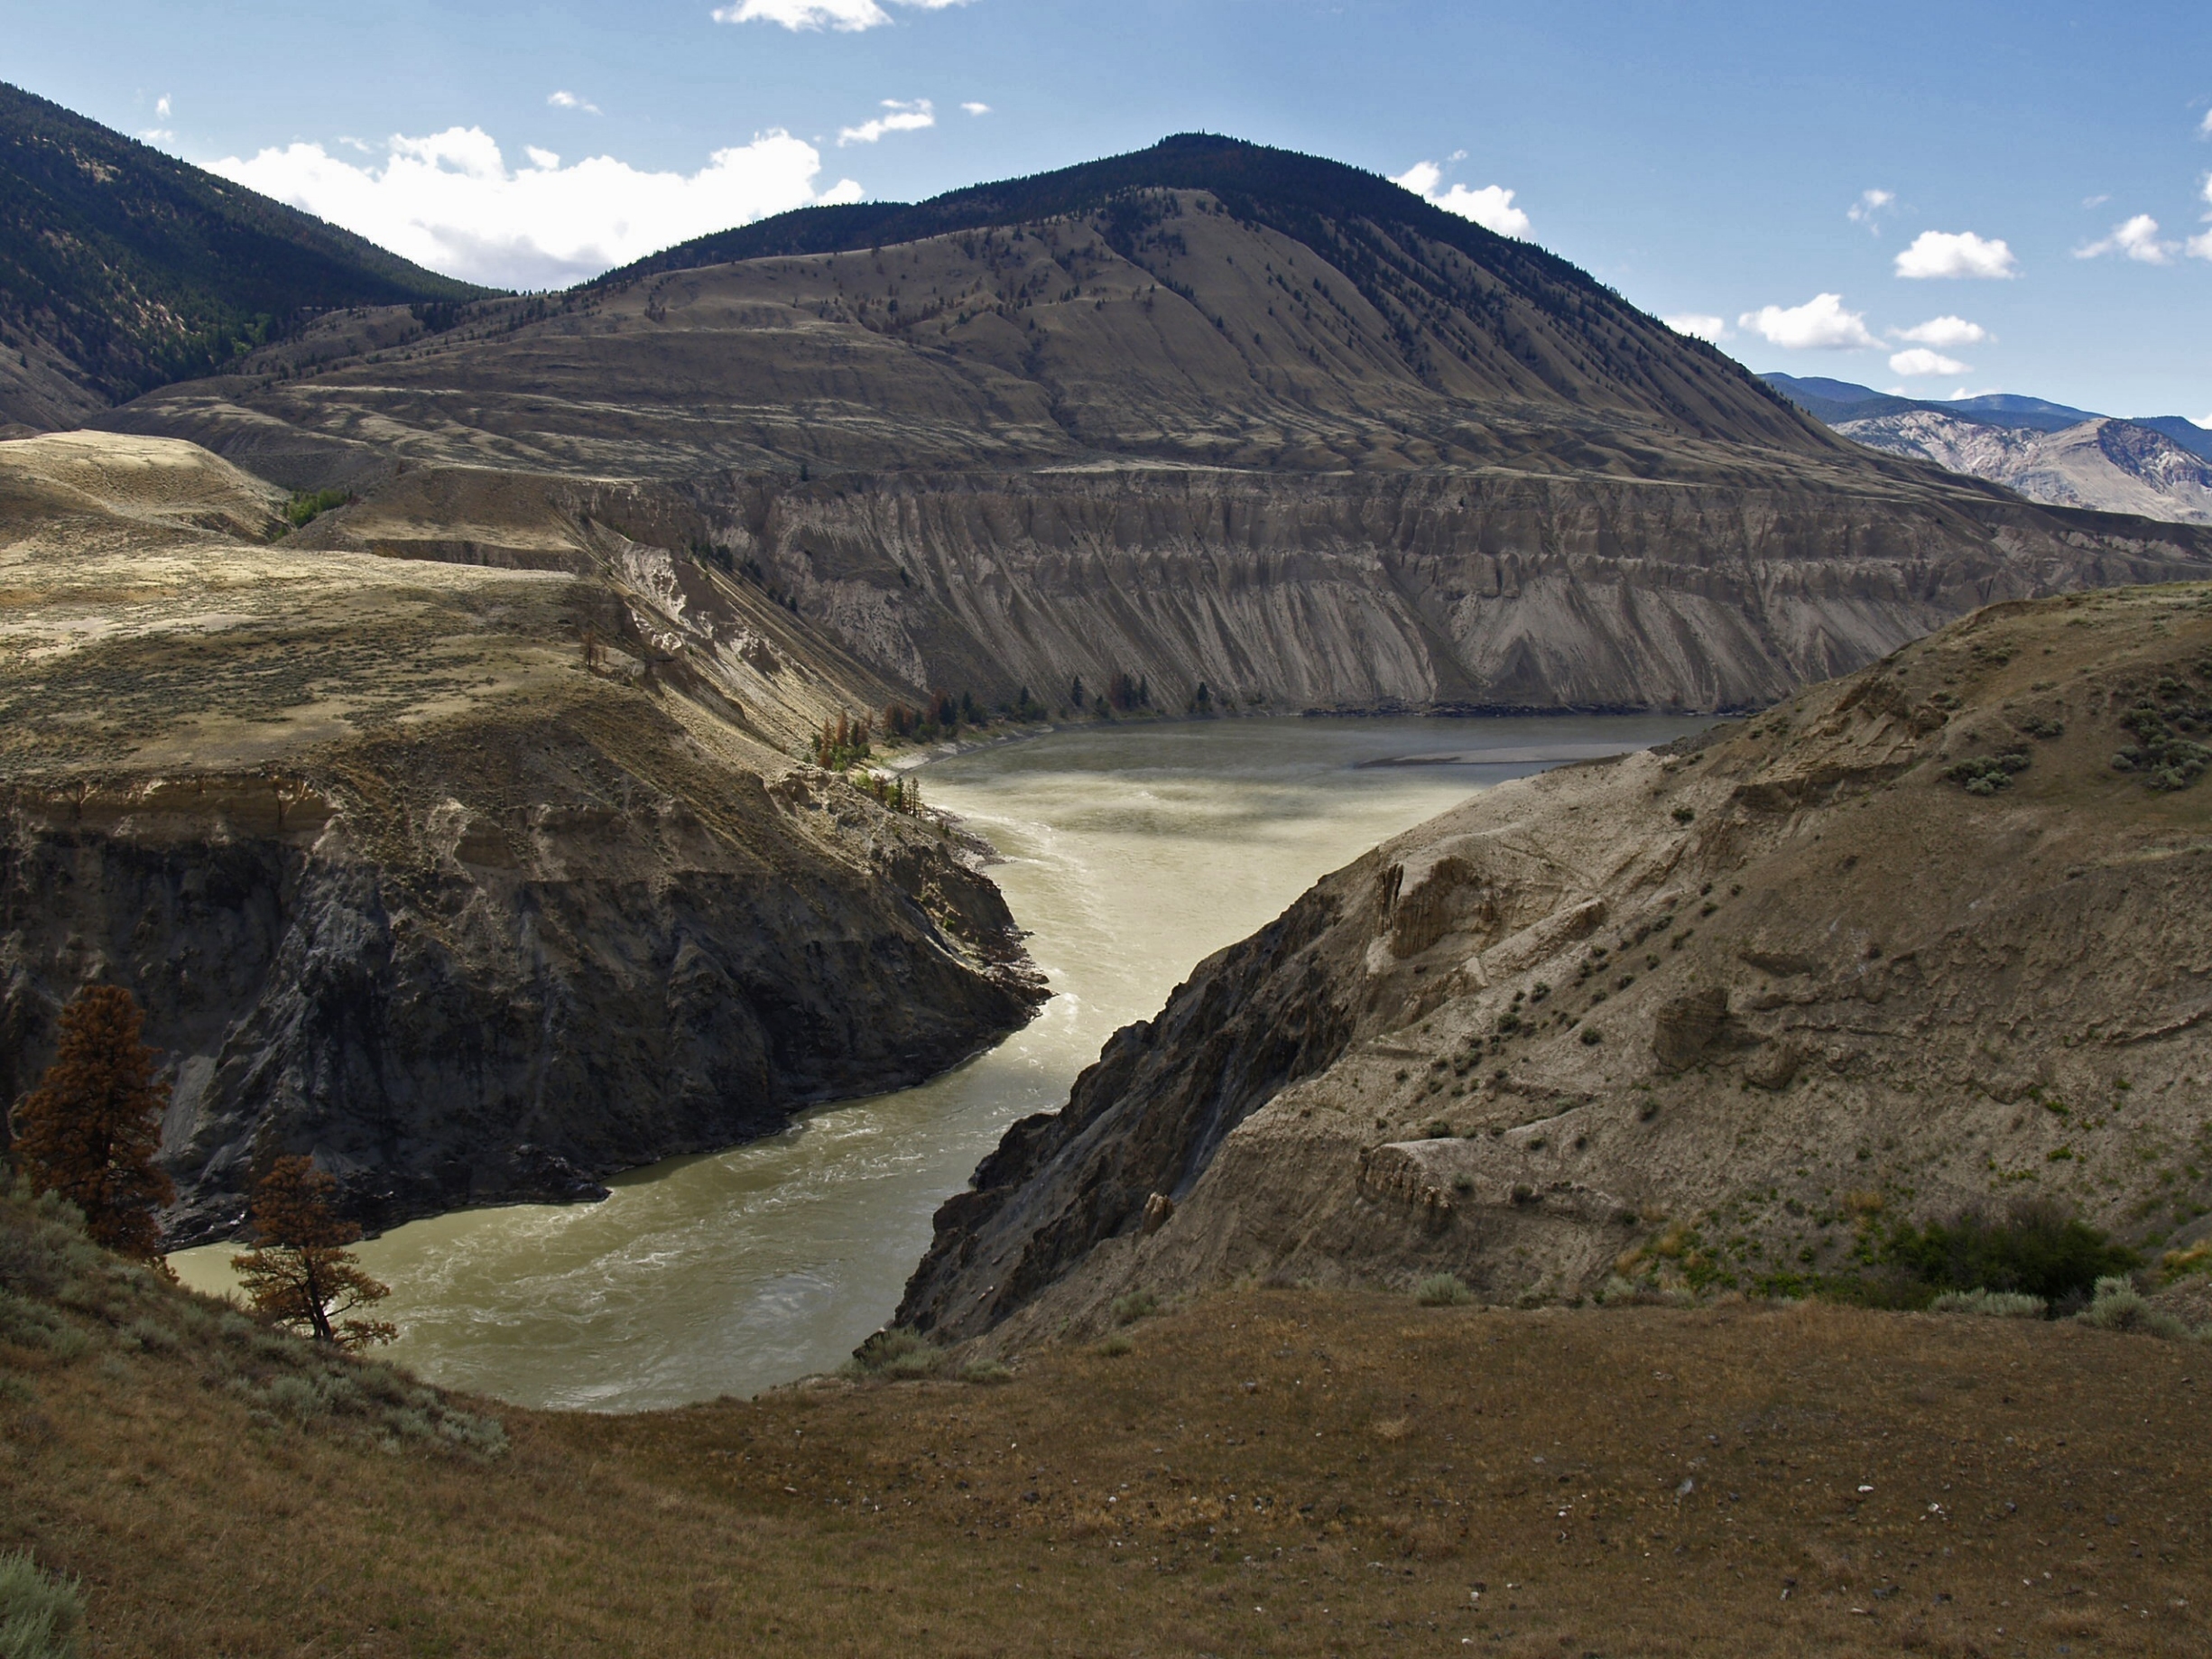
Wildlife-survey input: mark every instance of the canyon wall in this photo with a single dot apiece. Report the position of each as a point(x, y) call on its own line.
point(1922, 942)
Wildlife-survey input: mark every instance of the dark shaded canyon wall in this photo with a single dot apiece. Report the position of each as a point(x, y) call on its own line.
point(499, 1010)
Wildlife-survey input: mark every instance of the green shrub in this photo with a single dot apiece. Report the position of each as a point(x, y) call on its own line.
point(2035, 1251)
point(984, 1371)
point(1442, 1290)
point(307, 505)
point(1985, 775)
point(1117, 1345)
point(39, 1616)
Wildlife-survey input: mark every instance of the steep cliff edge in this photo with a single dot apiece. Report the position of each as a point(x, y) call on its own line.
point(1928, 937)
point(407, 877)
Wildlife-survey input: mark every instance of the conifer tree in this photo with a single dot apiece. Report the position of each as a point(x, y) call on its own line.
point(90, 1130)
point(300, 1272)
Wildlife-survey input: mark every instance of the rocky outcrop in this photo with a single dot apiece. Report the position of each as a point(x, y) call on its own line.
point(458, 998)
point(1923, 940)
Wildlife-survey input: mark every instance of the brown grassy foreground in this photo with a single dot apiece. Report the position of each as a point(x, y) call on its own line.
point(1271, 1472)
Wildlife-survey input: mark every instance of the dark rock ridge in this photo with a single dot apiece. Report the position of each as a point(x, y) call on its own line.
point(511, 982)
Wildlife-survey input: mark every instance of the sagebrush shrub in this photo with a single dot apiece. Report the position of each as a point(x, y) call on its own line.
point(1990, 1305)
point(40, 1616)
point(1442, 1290)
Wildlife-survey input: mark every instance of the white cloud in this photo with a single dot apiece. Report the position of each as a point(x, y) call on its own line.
point(976, 110)
point(903, 118)
point(160, 107)
point(1961, 392)
point(1920, 361)
point(1698, 325)
point(449, 201)
point(568, 100)
point(2204, 127)
point(544, 160)
point(2199, 246)
point(2137, 238)
point(2204, 420)
point(1943, 332)
point(1491, 207)
point(1870, 204)
point(1820, 324)
point(845, 16)
point(1941, 253)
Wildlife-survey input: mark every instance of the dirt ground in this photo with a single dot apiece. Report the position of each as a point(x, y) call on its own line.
point(1263, 1472)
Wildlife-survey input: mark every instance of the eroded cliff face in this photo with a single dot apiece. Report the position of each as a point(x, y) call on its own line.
point(1485, 590)
point(453, 997)
point(476, 881)
point(1685, 1016)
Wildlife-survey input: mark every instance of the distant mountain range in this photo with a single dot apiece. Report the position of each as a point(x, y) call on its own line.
point(2159, 466)
point(1834, 402)
point(123, 269)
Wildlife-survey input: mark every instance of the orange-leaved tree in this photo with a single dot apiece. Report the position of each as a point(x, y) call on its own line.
point(300, 1273)
point(90, 1130)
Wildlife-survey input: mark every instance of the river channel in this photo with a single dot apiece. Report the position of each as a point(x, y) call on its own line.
point(1130, 854)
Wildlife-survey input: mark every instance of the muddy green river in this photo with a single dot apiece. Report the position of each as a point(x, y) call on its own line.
point(1130, 855)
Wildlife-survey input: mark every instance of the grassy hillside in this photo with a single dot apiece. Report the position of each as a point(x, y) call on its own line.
point(1277, 1471)
point(133, 269)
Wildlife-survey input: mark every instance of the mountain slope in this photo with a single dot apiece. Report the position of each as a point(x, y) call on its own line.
point(1834, 402)
point(2112, 466)
point(122, 269)
point(1213, 415)
point(1914, 943)
point(1446, 292)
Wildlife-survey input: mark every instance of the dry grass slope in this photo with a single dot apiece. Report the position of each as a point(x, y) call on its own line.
point(1272, 1472)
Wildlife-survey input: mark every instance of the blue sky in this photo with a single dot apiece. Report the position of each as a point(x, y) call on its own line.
point(1705, 159)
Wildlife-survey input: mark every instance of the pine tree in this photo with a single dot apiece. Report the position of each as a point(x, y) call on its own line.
point(300, 1272)
point(90, 1130)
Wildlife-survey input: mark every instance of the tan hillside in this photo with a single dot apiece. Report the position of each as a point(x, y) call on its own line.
point(1908, 944)
point(1277, 1472)
point(404, 880)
